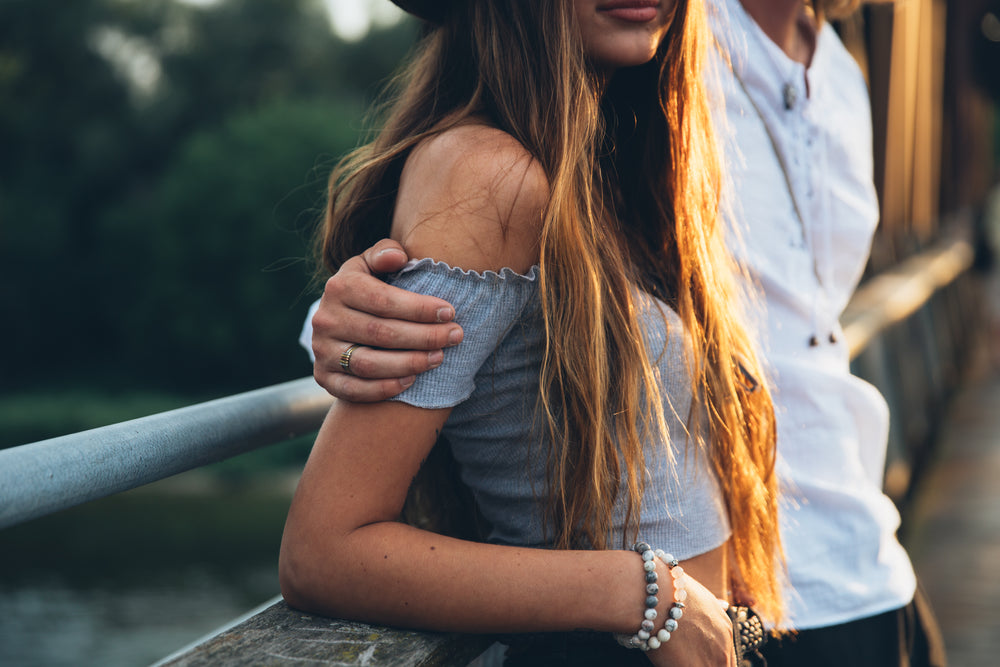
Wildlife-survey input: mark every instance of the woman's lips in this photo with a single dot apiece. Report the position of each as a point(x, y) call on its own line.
point(634, 11)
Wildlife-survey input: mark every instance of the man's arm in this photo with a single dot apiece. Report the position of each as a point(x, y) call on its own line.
point(400, 334)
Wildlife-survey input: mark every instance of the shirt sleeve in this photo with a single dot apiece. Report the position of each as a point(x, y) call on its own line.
point(486, 304)
point(306, 335)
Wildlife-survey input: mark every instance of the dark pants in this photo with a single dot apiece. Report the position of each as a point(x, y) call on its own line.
point(571, 649)
point(907, 637)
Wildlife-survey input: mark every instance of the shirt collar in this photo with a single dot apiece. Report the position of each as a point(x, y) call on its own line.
point(743, 41)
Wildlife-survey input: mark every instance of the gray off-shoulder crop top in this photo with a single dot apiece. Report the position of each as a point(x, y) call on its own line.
point(491, 382)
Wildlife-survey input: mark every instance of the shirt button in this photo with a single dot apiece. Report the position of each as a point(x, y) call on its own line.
point(790, 95)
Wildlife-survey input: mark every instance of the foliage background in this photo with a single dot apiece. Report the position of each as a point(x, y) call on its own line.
point(162, 168)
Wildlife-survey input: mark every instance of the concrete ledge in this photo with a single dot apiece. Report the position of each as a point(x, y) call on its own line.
point(279, 635)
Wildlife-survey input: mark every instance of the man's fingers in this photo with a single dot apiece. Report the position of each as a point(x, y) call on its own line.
point(375, 375)
point(385, 256)
point(353, 326)
point(400, 335)
point(359, 390)
point(366, 293)
point(392, 334)
point(369, 363)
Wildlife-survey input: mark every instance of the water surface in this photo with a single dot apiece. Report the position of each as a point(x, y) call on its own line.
point(129, 580)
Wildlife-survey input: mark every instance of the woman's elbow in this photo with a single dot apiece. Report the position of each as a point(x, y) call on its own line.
point(292, 579)
point(317, 583)
point(302, 585)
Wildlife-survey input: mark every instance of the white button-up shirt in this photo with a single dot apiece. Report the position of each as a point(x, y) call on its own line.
point(799, 157)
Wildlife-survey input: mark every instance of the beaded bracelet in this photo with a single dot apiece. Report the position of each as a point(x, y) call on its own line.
point(644, 639)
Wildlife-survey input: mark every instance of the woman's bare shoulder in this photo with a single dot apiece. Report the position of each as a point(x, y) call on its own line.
point(472, 196)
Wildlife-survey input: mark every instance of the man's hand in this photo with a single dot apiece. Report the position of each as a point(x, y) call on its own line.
point(400, 334)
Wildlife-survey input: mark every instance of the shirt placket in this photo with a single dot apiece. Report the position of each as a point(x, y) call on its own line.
point(807, 163)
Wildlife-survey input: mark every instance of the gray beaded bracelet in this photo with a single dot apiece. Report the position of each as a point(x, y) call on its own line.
point(644, 638)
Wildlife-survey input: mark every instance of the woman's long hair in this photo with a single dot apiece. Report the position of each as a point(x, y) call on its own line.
point(633, 176)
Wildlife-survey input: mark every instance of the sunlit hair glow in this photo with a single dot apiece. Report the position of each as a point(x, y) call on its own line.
point(633, 176)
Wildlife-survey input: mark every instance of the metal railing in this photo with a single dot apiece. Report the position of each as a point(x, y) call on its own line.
point(55, 474)
point(893, 296)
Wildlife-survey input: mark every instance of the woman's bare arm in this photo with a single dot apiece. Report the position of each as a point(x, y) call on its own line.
point(344, 553)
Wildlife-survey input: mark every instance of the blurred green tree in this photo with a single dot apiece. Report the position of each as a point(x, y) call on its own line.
point(209, 267)
point(63, 115)
point(160, 153)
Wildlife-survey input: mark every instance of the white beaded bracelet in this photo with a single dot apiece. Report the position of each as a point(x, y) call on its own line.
point(644, 638)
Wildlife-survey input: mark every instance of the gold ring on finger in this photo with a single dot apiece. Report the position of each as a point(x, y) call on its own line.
point(345, 357)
